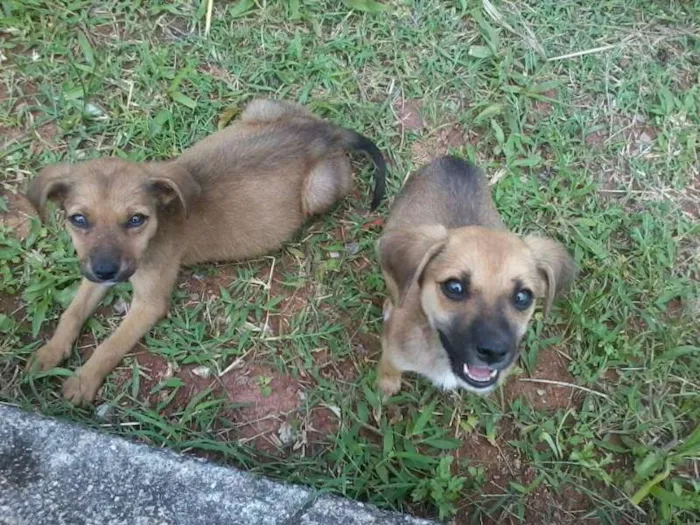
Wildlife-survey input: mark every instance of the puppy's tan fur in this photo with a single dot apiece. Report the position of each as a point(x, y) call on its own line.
point(237, 194)
point(444, 226)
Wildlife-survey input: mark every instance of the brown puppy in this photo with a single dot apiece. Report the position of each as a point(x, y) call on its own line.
point(237, 194)
point(461, 286)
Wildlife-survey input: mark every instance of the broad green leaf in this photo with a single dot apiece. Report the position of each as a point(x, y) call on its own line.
point(368, 6)
point(490, 111)
point(480, 52)
point(241, 8)
point(674, 500)
point(86, 48)
point(183, 99)
point(646, 488)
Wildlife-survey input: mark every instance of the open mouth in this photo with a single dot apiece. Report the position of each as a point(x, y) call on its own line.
point(480, 376)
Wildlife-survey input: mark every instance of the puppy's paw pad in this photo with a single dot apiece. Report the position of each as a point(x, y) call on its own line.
point(47, 357)
point(79, 390)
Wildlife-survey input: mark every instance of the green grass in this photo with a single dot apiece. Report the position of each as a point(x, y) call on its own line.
point(598, 150)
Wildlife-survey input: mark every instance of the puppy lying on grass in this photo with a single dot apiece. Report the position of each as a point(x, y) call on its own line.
point(461, 287)
point(237, 194)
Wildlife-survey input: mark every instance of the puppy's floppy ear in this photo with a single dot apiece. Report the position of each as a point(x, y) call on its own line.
point(555, 265)
point(404, 254)
point(169, 181)
point(52, 183)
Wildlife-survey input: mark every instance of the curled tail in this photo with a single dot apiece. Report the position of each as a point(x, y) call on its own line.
point(355, 141)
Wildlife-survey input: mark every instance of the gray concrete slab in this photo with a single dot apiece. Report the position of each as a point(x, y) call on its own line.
point(57, 473)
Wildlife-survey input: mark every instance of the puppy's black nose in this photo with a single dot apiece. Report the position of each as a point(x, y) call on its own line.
point(105, 269)
point(492, 354)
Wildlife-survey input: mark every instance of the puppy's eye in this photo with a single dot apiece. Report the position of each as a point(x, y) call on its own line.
point(136, 220)
point(523, 299)
point(454, 289)
point(79, 220)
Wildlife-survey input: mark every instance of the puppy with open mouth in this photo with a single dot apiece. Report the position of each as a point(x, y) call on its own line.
point(462, 288)
point(239, 193)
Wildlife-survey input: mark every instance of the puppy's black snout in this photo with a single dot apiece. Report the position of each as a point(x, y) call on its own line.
point(105, 269)
point(493, 354)
point(494, 343)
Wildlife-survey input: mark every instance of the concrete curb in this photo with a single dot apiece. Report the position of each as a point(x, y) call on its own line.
point(55, 473)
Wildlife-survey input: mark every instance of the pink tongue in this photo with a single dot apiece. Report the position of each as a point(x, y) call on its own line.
point(478, 372)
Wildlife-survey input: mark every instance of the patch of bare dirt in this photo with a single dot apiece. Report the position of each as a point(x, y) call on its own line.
point(201, 287)
point(439, 143)
point(595, 140)
point(441, 137)
point(409, 114)
point(674, 308)
point(106, 33)
point(152, 369)
point(33, 123)
point(368, 346)
point(9, 304)
point(551, 366)
point(542, 108)
point(502, 465)
point(689, 198)
point(500, 462)
point(173, 28)
point(329, 367)
point(294, 300)
point(322, 422)
point(266, 399)
point(18, 215)
point(218, 73)
point(260, 404)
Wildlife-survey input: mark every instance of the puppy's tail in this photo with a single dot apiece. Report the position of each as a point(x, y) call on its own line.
point(353, 140)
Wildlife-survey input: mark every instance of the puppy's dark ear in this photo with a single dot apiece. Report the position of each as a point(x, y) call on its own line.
point(169, 181)
point(555, 264)
point(52, 183)
point(404, 254)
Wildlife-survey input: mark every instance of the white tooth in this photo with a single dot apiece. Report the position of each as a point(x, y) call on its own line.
point(466, 369)
point(493, 373)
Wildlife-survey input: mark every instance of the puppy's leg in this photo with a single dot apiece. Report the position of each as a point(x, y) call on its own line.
point(388, 376)
point(59, 346)
point(329, 181)
point(150, 304)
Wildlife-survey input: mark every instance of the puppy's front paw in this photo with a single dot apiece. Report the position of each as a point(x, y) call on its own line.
point(389, 385)
point(81, 389)
point(49, 356)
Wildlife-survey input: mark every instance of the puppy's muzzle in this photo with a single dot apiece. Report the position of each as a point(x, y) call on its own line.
point(106, 267)
point(480, 353)
point(495, 354)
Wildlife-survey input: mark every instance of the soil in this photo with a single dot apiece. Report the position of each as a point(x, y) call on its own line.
point(9, 304)
point(294, 300)
point(409, 113)
point(263, 408)
point(551, 366)
point(258, 399)
point(502, 465)
point(440, 142)
point(596, 139)
point(543, 108)
point(33, 123)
